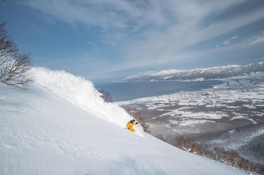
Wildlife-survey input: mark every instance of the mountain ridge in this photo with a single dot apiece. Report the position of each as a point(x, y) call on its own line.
point(219, 72)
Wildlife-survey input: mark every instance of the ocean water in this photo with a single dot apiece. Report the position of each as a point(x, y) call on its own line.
point(122, 91)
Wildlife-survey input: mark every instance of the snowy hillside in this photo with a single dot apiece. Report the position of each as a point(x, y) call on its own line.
point(60, 126)
point(200, 73)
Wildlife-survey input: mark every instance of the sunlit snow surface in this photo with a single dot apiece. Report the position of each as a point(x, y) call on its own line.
point(80, 93)
point(41, 133)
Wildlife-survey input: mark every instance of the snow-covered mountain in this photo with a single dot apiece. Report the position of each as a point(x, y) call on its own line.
point(200, 73)
point(61, 126)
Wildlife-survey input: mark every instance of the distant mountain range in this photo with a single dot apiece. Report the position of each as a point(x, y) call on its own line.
point(200, 73)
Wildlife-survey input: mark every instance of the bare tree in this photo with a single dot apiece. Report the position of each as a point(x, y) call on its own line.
point(14, 67)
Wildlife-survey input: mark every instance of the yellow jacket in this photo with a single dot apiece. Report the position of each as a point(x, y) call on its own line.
point(130, 126)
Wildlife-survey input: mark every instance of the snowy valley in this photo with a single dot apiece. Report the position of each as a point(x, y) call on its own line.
point(61, 126)
point(224, 119)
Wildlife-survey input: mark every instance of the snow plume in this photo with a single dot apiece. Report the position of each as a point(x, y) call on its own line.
point(81, 93)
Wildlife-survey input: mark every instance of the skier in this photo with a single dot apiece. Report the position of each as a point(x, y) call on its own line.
point(131, 124)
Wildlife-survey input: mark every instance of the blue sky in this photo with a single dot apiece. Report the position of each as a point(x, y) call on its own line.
point(108, 39)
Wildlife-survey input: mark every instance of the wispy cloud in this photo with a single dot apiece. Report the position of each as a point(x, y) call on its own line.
point(229, 40)
point(153, 32)
point(257, 39)
point(108, 15)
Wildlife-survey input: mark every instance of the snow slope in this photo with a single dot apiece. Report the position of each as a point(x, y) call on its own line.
point(60, 126)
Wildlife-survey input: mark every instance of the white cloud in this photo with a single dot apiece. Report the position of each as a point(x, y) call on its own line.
point(230, 40)
point(109, 15)
point(257, 39)
point(151, 32)
point(167, 46)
